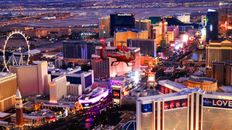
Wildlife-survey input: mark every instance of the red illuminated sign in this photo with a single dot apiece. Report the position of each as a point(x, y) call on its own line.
point(116, 94)
point(175, 104)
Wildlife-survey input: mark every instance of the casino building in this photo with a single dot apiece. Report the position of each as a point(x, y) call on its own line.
point(190, 109)
point(8, 85)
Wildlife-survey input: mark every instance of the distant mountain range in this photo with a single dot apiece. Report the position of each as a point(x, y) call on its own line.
point(66, 1)
point(5, 4)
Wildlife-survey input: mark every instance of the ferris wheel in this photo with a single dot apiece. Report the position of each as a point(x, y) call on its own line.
point(12, 60)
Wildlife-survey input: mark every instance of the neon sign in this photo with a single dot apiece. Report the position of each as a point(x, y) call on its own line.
point(116, 94)
point(221, 103)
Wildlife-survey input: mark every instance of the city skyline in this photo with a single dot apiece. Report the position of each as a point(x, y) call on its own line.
point(116, 64)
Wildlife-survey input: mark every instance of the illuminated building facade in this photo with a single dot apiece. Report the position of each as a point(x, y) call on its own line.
point(93, 96)
point(151, 79)
point(43, 32)
point(121, 37)
point(228, 75)
point(148, 61)
point(203, 20)
point(212, 25)
point(190, 109)
point(185, 18)
point(58, 88)
point(78, 49)
point(117, 85)
point(225, 20)
point(76, 77)
point(74, 89)
point(222, 72)
point(172, 33)
point(144, 24)
point(100, 67)
point(218, 52)
point(204, 83)
point(7, 98)
point(107, 69)
point(32, 79)
point(158, 30)
point(147, 46)
point(104, 27)
point(104, 68)
point(120, 21)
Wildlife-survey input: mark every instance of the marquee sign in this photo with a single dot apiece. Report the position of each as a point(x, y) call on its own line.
point(221, 103)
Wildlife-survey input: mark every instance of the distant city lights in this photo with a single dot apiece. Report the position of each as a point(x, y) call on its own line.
point(185, 38)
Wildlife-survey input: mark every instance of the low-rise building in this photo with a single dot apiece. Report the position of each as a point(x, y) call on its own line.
point(8, 85)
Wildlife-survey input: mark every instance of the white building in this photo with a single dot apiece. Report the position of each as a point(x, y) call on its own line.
point(75, 89)
point(32, 79)
point(190, 109)
point(76, 77)
point(58, 88)
point(8, 85)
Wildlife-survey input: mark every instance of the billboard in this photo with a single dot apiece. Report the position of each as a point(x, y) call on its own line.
point(220, 103)
point(173, 104)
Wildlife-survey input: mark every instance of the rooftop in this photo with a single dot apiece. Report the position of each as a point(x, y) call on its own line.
point(225, 43)
point(129, 29)
point(227, 89)
point(183, 92)
point(201, 79)
point(81, 42)
point(3, 114)
point(4, 74)
point(169, 83)
point(56, 71)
